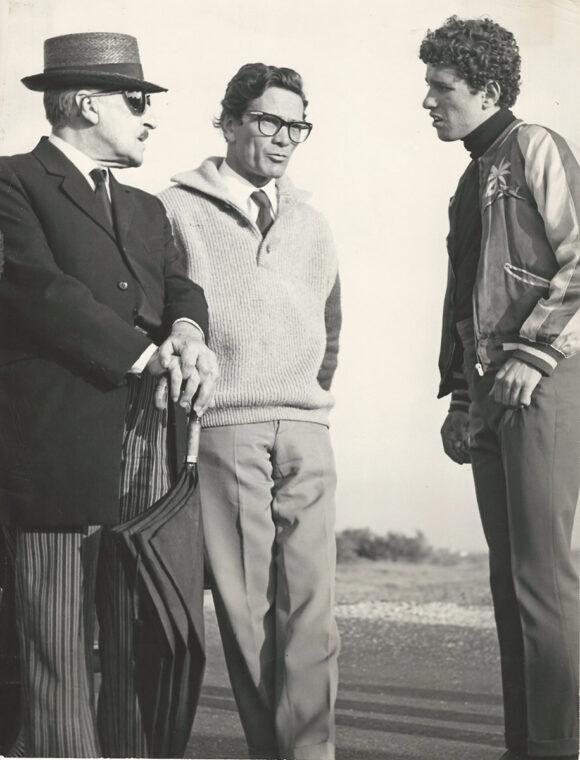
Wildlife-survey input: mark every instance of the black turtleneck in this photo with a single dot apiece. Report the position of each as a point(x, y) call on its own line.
point(478, 141)
point(466, 232)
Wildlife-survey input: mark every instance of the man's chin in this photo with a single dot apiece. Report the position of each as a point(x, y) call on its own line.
point(264, 177)
point(134, 161)
point(446, 137)
point(126, 162)
point(277, 171)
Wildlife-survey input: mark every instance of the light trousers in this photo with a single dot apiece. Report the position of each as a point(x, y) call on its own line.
point(267, 495)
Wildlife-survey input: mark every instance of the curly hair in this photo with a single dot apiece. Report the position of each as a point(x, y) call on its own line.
point(480, 51)
point(250, 82)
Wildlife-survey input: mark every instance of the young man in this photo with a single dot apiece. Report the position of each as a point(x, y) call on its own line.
point(267, 262)
point(511, 333)
point(95, 305)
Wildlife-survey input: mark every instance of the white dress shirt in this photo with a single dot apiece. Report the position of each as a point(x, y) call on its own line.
point(240, 190)
point(85, 164)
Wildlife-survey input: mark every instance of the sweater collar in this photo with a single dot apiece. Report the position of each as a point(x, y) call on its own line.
point(207, 180)
point(482, 137)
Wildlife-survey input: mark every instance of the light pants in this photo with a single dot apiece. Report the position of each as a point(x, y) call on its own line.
point(59, 575)
point(526, 466)
point(267, 495)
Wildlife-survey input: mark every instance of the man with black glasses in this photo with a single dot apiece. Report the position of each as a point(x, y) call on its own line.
point(95, 306)
point(267, 263)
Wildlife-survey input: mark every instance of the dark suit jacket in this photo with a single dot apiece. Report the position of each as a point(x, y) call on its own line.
point(71, 295)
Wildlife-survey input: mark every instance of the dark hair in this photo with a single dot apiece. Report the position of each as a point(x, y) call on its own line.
point(250, 82)
point(480, 51)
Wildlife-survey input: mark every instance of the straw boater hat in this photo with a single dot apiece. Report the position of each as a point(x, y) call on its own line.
point(100, 59)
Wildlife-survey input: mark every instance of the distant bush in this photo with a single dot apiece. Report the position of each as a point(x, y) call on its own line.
point(362, 542)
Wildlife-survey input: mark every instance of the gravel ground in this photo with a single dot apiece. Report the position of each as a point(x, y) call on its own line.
point(431, 613)
point(418, 681)
point(419, 671)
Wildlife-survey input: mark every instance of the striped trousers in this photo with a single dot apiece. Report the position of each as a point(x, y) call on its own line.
point(60, 577)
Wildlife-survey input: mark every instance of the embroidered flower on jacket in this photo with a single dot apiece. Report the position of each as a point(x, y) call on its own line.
point(497, 177)
point(497, 183)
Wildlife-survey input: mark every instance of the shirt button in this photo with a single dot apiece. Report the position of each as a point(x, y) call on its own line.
point(268, 249)
point(122, 285)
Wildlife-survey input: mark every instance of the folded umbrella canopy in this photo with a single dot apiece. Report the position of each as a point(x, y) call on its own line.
point(162, 554)
point(9, 659)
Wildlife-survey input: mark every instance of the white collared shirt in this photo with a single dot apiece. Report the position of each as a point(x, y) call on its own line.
point(85, 164)
point(240, 190)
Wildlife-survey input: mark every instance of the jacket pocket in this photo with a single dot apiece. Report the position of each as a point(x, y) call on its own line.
point(529, 278)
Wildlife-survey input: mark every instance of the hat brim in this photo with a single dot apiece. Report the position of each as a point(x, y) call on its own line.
point(79, 78)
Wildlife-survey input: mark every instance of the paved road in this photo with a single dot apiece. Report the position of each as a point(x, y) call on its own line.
point(408, 691)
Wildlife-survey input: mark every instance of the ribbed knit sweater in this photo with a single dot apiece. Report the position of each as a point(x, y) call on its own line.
point(274, 302)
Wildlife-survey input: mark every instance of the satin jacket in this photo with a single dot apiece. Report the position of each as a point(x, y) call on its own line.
point(526, 299)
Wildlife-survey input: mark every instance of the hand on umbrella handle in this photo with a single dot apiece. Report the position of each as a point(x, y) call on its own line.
point(193, 432)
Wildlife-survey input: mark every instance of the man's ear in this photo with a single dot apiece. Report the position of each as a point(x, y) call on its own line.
point(86, 107)
point(227, 128)
point(492, 93)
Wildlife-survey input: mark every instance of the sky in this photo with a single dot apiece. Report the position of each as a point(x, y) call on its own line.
point(375, 168)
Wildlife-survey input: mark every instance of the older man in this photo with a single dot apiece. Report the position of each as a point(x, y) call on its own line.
point(509, 355)
point(267, 262)
point(94, 305)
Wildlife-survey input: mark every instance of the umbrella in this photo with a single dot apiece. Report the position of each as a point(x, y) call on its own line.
point(162, 554)
point(9, 658)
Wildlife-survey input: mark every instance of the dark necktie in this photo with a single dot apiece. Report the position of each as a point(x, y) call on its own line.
point(99, 177)
point(265, 216)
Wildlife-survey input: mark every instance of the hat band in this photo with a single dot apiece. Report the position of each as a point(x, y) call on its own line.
point(133, 70)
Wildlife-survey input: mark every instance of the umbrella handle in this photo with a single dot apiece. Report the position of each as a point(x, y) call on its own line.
point(193, 432)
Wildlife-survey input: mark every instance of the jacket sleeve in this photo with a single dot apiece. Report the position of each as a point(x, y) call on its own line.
point(552, 330)
point(51, 308)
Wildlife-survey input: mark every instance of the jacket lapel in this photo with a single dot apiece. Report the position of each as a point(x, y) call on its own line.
point(73, 184)
point(132, 247)
point(123, 209)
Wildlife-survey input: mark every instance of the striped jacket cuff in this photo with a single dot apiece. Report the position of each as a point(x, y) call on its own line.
point(544, 358)
point(460, 400)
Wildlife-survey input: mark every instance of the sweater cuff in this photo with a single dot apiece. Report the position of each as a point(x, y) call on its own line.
point(543, 358)
point(460, 400)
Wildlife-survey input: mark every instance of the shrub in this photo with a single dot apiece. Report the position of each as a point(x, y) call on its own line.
point(361, 542)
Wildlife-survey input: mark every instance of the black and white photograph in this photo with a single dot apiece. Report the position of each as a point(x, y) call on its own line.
point(289, 379)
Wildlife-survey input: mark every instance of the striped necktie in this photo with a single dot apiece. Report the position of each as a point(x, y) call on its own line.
point(99, 177)
point(265, 215)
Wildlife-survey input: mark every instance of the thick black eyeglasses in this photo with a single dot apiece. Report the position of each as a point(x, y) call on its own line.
point(136, 100)
point(269, 125)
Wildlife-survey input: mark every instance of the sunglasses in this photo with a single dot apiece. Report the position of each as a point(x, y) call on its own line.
point(137, 101)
